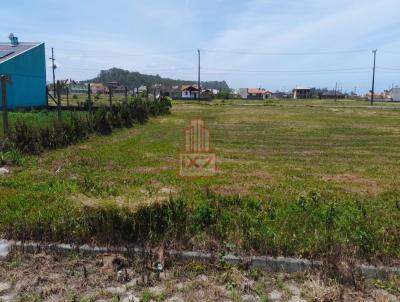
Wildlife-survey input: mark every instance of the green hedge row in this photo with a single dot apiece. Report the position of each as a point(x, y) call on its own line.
point(76, 127)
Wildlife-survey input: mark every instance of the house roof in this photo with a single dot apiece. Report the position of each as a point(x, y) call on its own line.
point(257, 91)
point(190, 87)
point(302, 88)
point(7, 51)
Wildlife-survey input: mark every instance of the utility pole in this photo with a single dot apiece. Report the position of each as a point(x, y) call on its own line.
point(54, 72)
point(373, 78)
point(126, 94)
point(89, 99)
point(4, 80)
point(198, 79)
point(67, 96)
point(336, 92)
point(110, 96)
point(58, 100)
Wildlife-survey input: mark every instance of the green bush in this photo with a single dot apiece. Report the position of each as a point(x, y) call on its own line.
point(26, 139)
point(33, 140)
point(102, 121)
point(140, 110)
point(160, 106)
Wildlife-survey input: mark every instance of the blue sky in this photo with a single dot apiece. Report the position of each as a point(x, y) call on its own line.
point(276, 44)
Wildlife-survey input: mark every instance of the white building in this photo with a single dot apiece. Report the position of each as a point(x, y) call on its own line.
point(190, 92)
point(243, 93)
point(394, 94)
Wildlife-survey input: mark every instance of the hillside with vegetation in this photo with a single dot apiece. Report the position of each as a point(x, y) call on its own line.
point(133, 79)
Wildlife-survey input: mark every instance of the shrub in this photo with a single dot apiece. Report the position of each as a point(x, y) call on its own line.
point(101, 121)
point(160, 106)
point(26, 139)
point(139, 110)
point(126, 115)
point(63, 133)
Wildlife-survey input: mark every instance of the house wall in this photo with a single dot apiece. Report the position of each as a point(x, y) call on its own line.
point(189, 94)
point(28, 75)
point(395, 94)
point(302, 94)
point(257, 96)
point(243, 93)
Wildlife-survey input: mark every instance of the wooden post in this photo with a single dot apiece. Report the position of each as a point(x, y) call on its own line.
point(147, 93)
point(67, 96)
point(110, 96)
point(126, 94)
point(59, 101)
point(4, 101)
point(89, 99)
point(47, 95)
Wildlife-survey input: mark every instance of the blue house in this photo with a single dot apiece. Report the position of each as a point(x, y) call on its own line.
point(25, 63)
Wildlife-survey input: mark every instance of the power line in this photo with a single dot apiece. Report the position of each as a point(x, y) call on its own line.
point(388, 68)
point(110, 54)
point(390, 52)
point(291, 71)
point(306, 53)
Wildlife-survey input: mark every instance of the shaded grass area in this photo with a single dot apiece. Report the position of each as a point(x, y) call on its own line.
point(299, 181)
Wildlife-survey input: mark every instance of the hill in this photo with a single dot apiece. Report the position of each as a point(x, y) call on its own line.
point(133, 79)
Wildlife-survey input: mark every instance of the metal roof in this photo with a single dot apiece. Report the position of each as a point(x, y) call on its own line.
point(302, 88)
point(16, 50)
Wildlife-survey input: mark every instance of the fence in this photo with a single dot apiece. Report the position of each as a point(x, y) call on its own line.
point(33, 136)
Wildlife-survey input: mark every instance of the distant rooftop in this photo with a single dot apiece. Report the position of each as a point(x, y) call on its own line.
point(257, 91)
point(302, 88)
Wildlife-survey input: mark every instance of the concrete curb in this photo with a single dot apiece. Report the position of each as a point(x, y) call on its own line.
point(279, 264)
point(4, 249)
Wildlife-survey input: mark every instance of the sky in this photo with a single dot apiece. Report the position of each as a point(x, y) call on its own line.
point(274, 44)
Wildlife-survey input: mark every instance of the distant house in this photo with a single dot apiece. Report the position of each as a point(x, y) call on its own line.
point(207, 94)
point(190, 92)
point(254, 93)
point(98, 88)
point(302, 92)
point(115, 87)
point(142, 89)
point(78, 88)
point(172, 91)
point(25, 64)
point(331, 94)
point(394, 94)
point(379, 97)
point(281, 95)
point(215, 91)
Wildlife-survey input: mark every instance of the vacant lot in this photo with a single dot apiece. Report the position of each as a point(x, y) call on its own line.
point(294, 178)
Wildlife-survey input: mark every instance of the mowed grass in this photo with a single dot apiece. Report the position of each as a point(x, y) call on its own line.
point(294, 178)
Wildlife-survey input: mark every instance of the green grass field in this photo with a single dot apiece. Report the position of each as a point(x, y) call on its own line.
point(294, 178)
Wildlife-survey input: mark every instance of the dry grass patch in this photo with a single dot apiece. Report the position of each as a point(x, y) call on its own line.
point(356, 184)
